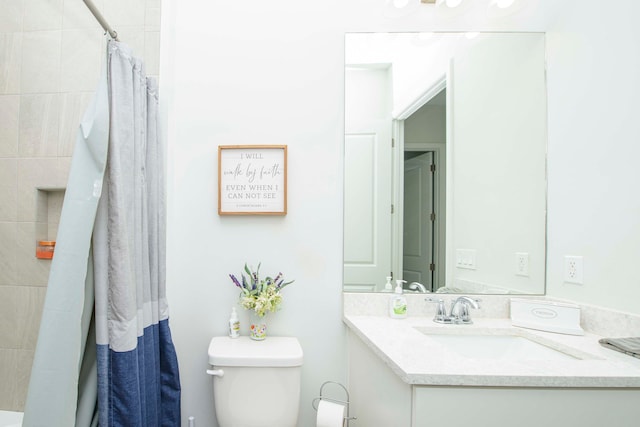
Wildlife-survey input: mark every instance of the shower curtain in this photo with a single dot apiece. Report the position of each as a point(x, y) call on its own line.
point(104, 354)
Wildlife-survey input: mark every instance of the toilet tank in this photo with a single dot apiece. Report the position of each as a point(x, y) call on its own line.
point(260, 381)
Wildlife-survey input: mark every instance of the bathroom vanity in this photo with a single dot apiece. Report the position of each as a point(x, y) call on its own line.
point(414, 372)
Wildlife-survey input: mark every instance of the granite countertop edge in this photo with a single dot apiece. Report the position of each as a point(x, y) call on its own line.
point(417, 360)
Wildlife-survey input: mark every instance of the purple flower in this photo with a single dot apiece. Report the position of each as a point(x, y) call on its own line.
point(251, 284)
point(245, 285)
point(235, 280)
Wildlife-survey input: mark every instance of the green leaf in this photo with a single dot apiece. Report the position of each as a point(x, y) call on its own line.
point(286, 283)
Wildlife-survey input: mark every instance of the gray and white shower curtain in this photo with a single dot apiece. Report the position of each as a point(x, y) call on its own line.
point(104, 354)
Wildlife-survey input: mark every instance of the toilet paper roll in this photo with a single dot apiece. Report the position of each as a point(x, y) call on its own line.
point(330, 414)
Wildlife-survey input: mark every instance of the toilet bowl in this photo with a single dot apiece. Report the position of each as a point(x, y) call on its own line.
point(256, 383)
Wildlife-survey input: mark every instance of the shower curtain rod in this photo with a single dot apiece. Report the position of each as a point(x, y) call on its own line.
point(103, 22)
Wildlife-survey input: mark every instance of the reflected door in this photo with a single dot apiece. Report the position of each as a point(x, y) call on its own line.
point(418, 221)
point(367, 207)
point(367, 178)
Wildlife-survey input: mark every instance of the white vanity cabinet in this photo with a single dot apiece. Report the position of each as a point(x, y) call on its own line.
point(524, 407)
point(378, 397)
point(382, 397)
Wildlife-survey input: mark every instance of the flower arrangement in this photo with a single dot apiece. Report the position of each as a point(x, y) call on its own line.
point(260, 295)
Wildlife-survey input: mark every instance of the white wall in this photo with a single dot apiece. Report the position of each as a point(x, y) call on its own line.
point(594, 150)
point(426, 125)
point(419, 59)
point(254, 73)
point(496, 153)
point(272, 72)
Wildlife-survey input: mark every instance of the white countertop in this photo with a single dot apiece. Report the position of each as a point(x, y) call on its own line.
point(418, 360)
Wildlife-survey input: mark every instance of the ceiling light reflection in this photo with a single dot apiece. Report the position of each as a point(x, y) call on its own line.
point(503, 4)
point(399, 4)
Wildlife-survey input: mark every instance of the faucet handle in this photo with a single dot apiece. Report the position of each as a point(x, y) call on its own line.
point(441, 311)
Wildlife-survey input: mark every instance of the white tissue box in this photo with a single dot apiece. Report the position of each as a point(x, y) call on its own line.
point(547, 316)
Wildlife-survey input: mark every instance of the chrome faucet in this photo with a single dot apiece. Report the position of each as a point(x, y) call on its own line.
point(460, 309)
point(459, 313)
point(415, 286)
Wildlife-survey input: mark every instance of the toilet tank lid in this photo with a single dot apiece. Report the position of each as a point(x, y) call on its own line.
point(243, 351)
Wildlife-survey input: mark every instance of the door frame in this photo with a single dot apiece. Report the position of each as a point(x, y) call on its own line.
point(440, 177)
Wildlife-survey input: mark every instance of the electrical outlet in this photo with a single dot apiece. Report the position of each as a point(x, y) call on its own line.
point(573, 269)
point(522, 264)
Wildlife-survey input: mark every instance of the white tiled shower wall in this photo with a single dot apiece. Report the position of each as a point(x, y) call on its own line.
point(51, 53)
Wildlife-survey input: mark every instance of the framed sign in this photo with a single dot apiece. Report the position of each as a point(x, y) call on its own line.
point(252, 180)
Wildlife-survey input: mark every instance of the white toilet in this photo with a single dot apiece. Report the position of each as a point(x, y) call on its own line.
point(256, 383)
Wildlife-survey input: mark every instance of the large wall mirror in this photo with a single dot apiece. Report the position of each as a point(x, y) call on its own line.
point(445, 162)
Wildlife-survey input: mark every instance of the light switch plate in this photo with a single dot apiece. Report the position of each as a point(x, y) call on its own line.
point(466, 258)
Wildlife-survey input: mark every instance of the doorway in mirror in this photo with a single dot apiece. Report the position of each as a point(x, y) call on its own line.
point(418, 219)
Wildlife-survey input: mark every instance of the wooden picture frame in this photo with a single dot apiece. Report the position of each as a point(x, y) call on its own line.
point(252, 180)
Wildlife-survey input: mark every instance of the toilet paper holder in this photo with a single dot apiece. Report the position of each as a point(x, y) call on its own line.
point(317, 400)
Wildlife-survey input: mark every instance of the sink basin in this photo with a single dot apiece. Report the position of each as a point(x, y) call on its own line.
point(507, 345)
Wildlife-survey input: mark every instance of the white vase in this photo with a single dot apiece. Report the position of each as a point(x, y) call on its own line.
point(257, 327)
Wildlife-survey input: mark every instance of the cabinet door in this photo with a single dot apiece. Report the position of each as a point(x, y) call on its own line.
point(379, 398)
point(525, 407)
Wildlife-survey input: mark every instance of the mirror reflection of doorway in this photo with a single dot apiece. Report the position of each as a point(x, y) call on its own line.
point(422, 174)
point(493, 95)
point(418, 218)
